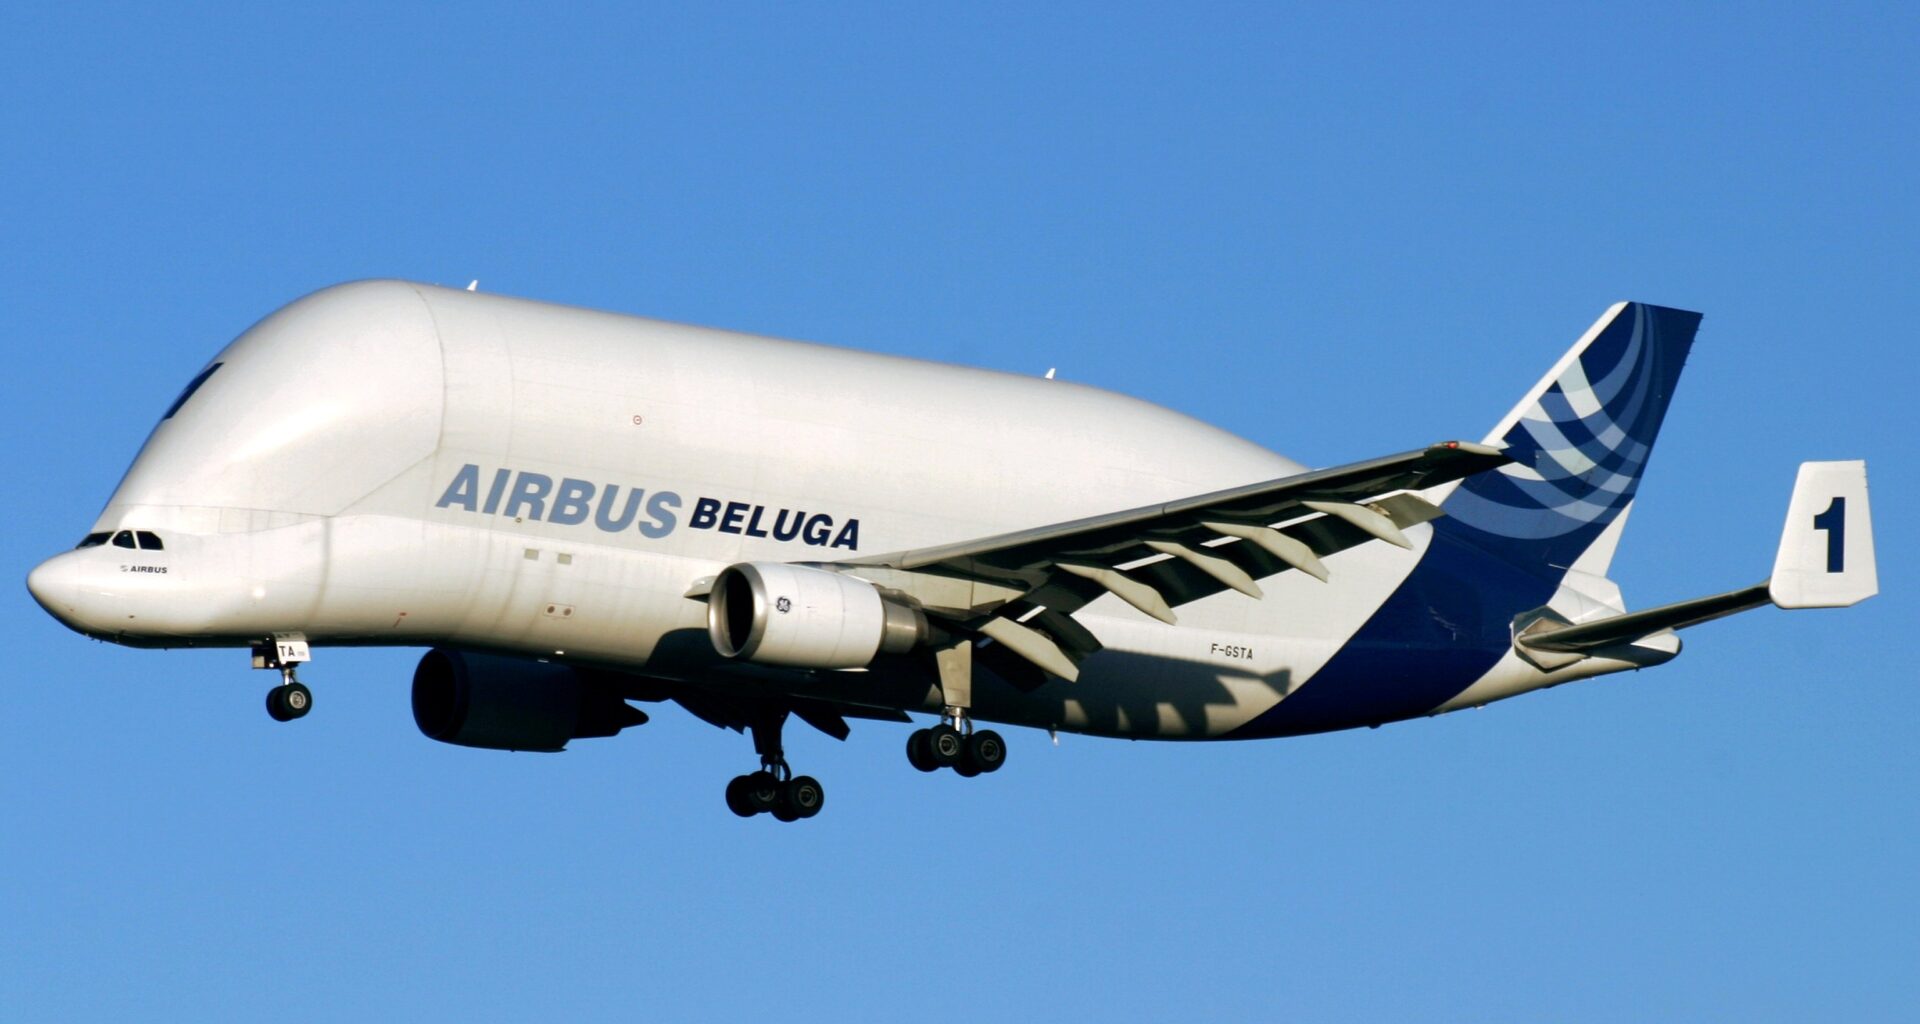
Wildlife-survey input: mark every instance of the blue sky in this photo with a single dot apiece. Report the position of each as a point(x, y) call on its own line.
point(1338, 232)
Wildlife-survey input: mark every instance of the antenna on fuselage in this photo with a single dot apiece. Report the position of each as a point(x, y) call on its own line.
point(473, 285)
point(1050, 370)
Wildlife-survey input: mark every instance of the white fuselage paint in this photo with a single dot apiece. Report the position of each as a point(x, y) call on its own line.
point(304, 488)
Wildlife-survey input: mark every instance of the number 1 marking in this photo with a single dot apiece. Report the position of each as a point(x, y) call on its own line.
point(1834, 521)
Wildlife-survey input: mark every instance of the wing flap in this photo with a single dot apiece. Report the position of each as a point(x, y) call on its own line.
point(1157, 557)
point(1024, 556)
point(1178, 581)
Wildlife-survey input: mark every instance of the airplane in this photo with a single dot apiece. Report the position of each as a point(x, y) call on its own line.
point(577, 511)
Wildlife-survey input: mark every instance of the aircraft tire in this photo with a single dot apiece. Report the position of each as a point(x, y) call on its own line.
point(946, 745)
point(737, 799)
point(762, 792)
point(918, 752)
point(986, 751)
point(276, 705)
point(804, 796)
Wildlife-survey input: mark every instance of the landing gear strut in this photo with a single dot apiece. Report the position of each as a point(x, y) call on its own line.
point(774, 789)
point(291, 699)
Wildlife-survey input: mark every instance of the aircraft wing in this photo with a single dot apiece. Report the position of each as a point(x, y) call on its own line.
point(1159, 556)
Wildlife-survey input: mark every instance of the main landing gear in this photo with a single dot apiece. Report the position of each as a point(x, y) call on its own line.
point(774, 789)
point(291, 699)
point(954, 744)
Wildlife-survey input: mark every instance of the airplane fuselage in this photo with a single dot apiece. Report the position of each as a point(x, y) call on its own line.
point(385, 463)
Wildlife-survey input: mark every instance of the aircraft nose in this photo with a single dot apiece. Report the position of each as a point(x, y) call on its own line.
point(55, 583)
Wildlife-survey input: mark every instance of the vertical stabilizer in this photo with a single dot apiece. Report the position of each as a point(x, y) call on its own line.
point(1580, 442)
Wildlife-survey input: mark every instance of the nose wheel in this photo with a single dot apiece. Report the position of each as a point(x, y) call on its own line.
point(289, 701)
point(282, 653)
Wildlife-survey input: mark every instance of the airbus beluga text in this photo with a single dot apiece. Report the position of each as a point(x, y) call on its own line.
point(576, 510)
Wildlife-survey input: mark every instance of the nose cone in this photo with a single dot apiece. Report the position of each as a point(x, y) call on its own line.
point(55, 583)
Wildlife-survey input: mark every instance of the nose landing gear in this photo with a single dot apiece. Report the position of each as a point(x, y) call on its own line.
point(291, 699)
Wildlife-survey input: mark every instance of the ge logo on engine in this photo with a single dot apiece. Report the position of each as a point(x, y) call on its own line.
point(784, 605)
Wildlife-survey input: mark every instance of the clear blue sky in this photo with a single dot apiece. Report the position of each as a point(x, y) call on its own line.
point(1338, 233)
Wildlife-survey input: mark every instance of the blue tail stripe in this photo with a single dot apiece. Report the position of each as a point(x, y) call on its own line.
point(1444, 627)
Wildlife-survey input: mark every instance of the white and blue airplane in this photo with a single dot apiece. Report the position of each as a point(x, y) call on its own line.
point(575, 510)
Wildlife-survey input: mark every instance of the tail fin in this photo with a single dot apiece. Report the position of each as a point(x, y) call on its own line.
point(1579, 440)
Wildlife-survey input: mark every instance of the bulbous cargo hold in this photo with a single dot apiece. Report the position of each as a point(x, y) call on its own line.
point(496, 703)
point(775, 613)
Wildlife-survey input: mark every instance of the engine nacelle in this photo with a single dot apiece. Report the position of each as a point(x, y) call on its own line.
point(482, 700)
point(774, 613)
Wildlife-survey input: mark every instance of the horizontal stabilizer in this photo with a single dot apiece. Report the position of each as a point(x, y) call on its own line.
point(1825, 561)
point(1621, 629)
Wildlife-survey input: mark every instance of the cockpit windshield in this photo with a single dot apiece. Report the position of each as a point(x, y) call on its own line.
point(144, 540)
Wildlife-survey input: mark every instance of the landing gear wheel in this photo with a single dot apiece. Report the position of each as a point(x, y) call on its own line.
point(289, 701)
point(986, 751)
point(297, 699)
point(803, 796)
point(920, 753)
point(737, 799)
point(946, 745)
point(762, 792)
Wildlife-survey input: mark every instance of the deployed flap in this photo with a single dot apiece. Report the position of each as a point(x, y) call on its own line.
point(1159, 556)
point(1028, 556)
point(1826, 550)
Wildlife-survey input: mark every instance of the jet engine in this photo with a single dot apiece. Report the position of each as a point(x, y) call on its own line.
point(774, 613)
point(482, 700)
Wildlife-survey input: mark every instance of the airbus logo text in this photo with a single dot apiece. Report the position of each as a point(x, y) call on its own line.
point(571, 501)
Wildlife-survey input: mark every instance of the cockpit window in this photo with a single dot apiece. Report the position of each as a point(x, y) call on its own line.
point(92, 540)
point(192, 386)
point(149, 541)
point(123, 539)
